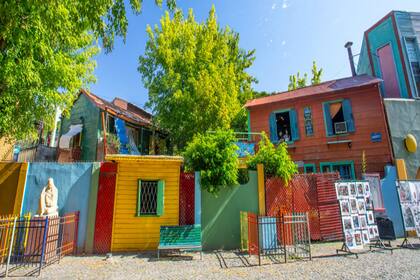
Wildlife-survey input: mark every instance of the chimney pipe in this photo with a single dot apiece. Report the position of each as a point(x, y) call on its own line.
point(348, 47)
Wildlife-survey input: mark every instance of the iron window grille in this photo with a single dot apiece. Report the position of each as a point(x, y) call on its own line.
point(150, 197)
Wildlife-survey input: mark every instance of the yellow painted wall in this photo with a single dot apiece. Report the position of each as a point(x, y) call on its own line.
point(131, 233)
point(6, 150)
point(10, 173)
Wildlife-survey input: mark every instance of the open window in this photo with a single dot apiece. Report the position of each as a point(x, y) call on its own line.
point(150, 197)
point(338, 117)
point(283, 126)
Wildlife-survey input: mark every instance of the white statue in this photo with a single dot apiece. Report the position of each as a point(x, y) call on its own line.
point(48, 201)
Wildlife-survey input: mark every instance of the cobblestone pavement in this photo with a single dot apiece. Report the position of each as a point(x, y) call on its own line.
point(402, 264)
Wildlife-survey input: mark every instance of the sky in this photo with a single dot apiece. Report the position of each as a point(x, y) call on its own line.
point(286, 34)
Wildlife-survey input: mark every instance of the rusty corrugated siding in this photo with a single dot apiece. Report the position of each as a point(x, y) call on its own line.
point(329, 211)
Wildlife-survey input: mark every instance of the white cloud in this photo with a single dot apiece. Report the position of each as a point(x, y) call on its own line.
point(285, 4)
point(274, 6)
point(283, 43)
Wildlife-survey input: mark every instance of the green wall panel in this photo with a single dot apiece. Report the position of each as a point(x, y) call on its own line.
point(84, 109)
point(220, 216)
point(403, 118)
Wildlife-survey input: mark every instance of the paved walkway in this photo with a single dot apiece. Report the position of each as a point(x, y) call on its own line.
point(403, 264)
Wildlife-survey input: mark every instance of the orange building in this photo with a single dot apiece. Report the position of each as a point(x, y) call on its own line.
point(328, 126)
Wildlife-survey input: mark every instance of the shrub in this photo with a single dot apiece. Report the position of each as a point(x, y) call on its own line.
point(276, 161)
point(214, 155)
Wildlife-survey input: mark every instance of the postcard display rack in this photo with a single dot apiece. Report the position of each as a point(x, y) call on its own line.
point(357, 218)
point(409, 196)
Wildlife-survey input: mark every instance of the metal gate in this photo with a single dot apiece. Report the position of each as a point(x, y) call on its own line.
point(287, 236)
point(186, 198)
point(29, 244)
point(105, 208)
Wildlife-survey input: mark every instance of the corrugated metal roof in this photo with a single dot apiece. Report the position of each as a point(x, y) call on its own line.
point(116, 110)
point(323, 88)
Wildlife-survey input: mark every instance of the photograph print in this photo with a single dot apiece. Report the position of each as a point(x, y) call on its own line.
point(370, 217)
point(360, 189)
point(356, 222)
point(347, 223)
point(408, 216)
point(361, 208)
point(371, 232)
point(365, 236)
point(352, 187)
point(353, 205)
point(366, 188)
point(342, 190)
point(358, 239)
point(345, 207)
point(349, 239)
point(404, 191)
point(362, 221)
point(368, 202)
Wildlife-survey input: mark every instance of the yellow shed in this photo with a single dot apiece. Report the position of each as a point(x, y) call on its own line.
point(146, 197)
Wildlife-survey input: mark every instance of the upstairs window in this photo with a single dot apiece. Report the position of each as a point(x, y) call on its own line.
point(150, 198)
point(413, 57)
point(283, 126)
point(338, 117)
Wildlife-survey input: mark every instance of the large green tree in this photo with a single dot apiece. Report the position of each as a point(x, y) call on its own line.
point(196, 75)
point(46, 55)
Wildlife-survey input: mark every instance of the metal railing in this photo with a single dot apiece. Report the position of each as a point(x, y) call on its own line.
point(27, 244)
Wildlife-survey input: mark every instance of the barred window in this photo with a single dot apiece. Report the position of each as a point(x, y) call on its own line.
point(150, 198)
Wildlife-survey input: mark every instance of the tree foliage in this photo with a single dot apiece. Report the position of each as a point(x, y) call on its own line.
point(46, 55)
point(276, 160)
point(196, 76)
point(214, 155)
point(296, 81)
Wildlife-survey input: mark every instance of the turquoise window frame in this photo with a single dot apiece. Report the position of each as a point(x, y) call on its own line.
point(341, 100)
point(297, 125)
point(313, 165)
point(336, 163)
point(159, 199)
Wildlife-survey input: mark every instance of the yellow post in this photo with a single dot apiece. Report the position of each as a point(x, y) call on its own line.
point(261, 189)
point(401, 170)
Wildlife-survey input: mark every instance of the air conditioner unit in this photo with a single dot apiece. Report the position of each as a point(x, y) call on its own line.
point(340, 127)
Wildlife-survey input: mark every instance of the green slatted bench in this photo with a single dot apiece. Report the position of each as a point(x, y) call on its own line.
point(186, 238)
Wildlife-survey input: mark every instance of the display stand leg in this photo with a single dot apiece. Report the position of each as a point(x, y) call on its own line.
point(380, 244)
point(407, 244)
point(345, 249)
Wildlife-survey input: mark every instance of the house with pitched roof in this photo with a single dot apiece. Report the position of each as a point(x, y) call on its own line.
point(97, 127)
point(327, 127)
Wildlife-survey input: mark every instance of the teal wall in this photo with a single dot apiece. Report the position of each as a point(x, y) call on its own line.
point(379, 37)
point(363, 65)
point(83, 107)
point(220, 215)
point(73, 181)
point(403, 117)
